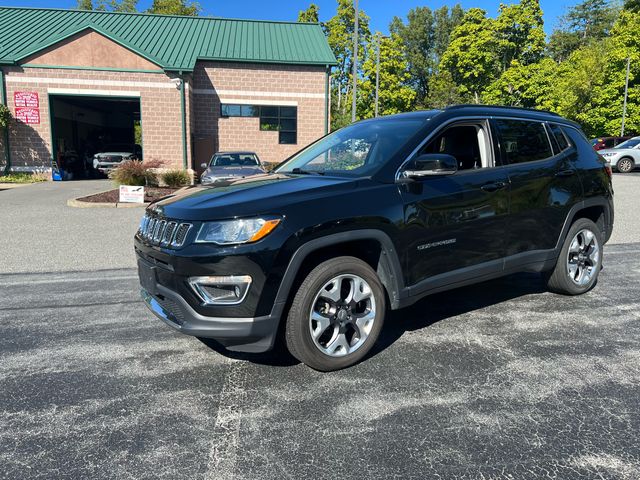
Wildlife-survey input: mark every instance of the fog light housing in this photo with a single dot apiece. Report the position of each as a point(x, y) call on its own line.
point(221, 290)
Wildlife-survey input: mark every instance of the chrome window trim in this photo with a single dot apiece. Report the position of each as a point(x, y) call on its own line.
point(487, 118)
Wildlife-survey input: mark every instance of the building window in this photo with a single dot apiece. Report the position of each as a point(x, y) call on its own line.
point(284, 120)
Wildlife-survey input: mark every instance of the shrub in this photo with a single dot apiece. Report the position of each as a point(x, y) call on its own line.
point(175, 178)
point(270, 166)
point(5, 116)
point(133, 172)
point(23, 177)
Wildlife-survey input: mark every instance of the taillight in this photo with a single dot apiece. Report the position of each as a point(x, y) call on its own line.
point(607, 168)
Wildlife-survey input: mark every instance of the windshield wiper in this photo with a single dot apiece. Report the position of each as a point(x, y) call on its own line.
point(306, 172)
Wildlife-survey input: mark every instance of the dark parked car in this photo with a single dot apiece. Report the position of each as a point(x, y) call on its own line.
point(225, 166)
point(601, 143)
point(376, 216)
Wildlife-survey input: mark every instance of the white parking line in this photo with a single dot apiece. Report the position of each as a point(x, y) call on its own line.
point(44, 281)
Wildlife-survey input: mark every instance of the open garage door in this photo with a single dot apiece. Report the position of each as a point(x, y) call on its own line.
point(85, 128)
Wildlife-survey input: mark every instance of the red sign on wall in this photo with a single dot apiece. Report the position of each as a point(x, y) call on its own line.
point(28, 115)
point(26, 99)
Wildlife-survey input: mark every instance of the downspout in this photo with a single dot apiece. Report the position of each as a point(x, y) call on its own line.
point(3, 99)
point(326, 100)
point(183, 114)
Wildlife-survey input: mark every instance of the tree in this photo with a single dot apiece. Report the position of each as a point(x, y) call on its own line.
point(443, 24)
point(340, 37)
point(605, 115)
point(395, 95)
point(416, 42)
point(519, 31)
point(583, 23)
point(175, 7)
point(129, 6)
point(443, 91)
point(310, 15)
point(470, 57)
point(529, 86)
point(632, 5)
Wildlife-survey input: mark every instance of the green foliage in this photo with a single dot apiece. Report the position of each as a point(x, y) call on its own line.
point(632, 5)
point(310, 15)
point(135, 173)
point(175, 7)
point(5, 116)
point(20, 177)
point(443, 91)
point(175, 178)
point(129, 6)
point(519, 32)
point(340, 30)
point(582, 24)
point(470, 57)
point(425, 37)
point(395, 94)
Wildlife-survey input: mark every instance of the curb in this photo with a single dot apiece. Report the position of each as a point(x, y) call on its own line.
point(9, 186)
point(74, 202)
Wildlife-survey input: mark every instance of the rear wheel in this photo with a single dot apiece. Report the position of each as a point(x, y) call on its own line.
point(336, 315)
point(580, 260)
point(625, 165)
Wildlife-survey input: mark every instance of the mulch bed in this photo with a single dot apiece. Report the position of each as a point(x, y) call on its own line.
point(113, 196)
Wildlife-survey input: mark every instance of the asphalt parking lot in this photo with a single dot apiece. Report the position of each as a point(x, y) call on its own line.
point(497, 380)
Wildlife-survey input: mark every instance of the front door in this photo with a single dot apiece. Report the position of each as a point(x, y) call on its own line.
point(455, 225)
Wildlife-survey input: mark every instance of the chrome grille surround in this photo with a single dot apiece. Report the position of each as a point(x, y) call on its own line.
point(163, 232)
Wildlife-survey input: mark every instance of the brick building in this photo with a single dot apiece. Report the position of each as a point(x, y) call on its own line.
point(181, 87)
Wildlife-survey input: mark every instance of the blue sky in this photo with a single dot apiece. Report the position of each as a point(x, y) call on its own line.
point(380, 11)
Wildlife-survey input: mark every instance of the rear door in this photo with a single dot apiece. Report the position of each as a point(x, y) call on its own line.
point(544, 182)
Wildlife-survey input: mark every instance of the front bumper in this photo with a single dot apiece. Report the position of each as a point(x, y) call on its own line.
point(238, 334)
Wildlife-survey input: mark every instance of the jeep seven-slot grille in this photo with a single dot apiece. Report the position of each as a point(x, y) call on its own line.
point(166, 233)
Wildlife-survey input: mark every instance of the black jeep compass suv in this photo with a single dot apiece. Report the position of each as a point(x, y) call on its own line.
point(375, 216)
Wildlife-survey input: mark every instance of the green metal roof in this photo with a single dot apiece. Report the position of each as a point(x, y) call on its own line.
point(172, 42)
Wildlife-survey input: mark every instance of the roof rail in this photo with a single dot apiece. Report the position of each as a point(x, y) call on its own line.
point(501, 107)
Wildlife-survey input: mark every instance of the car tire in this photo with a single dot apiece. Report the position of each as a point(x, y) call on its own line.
point(336, 315)
point(625, 165)
point(580, 260)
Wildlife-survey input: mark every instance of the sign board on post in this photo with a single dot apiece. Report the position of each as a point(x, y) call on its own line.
point(28, 115)
point(26, 99)
point(129, 194)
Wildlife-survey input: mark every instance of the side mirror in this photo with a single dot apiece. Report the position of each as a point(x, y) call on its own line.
point(431, 164)
point(203, 165)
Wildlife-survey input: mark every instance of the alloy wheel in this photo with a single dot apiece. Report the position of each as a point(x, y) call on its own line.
point(583, 257)
point(342, 315)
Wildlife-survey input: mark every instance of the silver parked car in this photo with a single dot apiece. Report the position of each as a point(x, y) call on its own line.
point(624, 157)
point(225, 166)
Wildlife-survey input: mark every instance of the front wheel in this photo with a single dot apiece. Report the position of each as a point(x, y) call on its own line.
point(336, 314)
point(580, 260)
point(625, 165)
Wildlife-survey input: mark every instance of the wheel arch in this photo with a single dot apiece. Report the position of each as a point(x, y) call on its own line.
point(597, 210)
point(370, 245)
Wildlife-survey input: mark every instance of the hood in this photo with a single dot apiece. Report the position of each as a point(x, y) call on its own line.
point(232, 171)
point(257, 195)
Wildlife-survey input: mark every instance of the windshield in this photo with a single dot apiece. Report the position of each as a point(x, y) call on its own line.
point(631, 143)
point(234, 160)
point(357, 150)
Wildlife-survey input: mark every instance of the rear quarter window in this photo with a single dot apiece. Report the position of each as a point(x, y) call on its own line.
point(523, 141)
point(559, 138)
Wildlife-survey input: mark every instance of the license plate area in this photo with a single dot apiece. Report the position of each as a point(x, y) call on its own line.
point(147, 274)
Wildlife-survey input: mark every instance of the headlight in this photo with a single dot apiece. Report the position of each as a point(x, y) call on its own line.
point(230, 232)
point(207, 180)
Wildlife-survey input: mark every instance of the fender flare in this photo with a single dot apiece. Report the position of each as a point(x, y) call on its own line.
point(586, 203)
point(389, 268)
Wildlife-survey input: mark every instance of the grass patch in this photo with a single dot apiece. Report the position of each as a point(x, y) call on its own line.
point(20, 177)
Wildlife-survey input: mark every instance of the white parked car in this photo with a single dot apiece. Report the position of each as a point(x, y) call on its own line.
point(113, 155)
point(624, 157)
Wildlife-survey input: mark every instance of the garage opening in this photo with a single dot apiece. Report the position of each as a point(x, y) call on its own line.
point(92, 135)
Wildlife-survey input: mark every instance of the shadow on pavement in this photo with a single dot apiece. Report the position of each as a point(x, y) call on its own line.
point(422, 314)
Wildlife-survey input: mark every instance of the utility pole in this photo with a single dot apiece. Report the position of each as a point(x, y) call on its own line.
point(626, 90)
point(377, 71)
point(355, 63)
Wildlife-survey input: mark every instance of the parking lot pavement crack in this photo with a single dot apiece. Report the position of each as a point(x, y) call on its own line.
point(223, 454)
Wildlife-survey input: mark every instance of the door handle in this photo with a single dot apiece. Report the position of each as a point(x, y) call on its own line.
point(493, 186)
point(565, 173)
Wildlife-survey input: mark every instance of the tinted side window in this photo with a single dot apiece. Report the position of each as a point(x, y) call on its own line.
point(523, 141)
point(559, 137)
